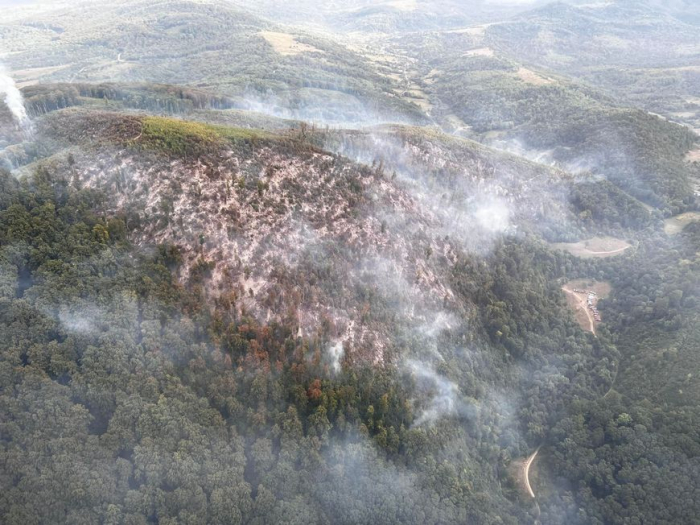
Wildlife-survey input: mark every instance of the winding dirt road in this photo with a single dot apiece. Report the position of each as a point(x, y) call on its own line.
point(526, 472)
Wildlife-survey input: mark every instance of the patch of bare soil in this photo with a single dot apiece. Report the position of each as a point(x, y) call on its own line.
point(675, 225)
point(582, 296)
point(596, 247)
point(520, 470)
point(693, 156)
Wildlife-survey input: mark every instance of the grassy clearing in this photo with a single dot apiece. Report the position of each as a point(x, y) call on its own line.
point(286, 45)
point(596, 247)
point(31, 76)
point(480, 52)
point(187, 138)
point(478, 31)
point(530, 77)
point(675, 225)
point(693, 156)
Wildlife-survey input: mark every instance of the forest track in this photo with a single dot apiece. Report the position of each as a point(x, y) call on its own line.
point(582, 305)
point(611, 252)
point(526, 472)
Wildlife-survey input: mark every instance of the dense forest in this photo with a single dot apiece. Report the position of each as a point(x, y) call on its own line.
point(226, 421)
point(185, 411)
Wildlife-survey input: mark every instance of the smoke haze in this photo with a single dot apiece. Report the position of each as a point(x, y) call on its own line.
point(14, 100)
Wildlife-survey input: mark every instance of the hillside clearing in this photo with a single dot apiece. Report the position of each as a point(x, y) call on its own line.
point(471, 31)
point(675, 225)
point(286, 44)
point(31, 76)
point(577, 297)
point(530, 77)
point(520, 470)
point(596, 247)
point(480, 52)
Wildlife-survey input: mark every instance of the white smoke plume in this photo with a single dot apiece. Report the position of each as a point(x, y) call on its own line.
point(493, 216)
point(14, 100)
point(442, 394)
point(336, 353)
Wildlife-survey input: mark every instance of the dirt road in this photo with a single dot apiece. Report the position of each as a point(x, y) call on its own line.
point(526, 472)
point(611, 252)
point(582, 304)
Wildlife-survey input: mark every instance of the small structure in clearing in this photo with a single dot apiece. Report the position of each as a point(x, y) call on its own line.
point(597, 247)
point(582, 296)
point(675, 225)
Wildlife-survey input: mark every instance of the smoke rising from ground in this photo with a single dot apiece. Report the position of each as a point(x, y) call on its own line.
point(442, 392)
point(14, 100)
point(336, 353)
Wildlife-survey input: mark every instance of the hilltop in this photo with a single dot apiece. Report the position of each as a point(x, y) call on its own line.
point(203, 44)
point(270, 219)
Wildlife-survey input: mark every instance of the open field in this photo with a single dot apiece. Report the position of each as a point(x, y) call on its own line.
point(596, 247)
point(477, 31)
point(480, 52)
point(675, 225)
point(530, 77)
point(286, 45)
point(693, 156)
point(29, 77)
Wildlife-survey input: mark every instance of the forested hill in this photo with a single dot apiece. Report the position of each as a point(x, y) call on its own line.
point(359, 263)
point(165, 403)
point(114, 289)
point(204, 44)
